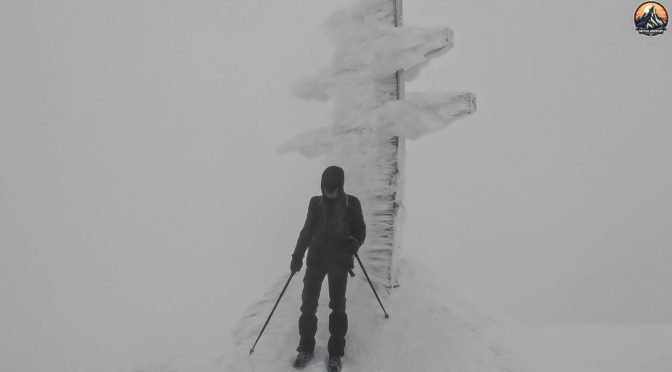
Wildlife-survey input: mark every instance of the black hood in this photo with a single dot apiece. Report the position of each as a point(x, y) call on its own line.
point(332, 177)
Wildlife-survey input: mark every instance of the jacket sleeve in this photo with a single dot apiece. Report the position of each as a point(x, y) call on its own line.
point(306, 234)
point(357, 227)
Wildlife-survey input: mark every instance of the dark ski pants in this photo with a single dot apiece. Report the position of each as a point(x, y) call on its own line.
point(337, 274)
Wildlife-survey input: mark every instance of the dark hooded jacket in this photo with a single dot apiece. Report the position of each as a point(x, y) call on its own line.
point(334, 228)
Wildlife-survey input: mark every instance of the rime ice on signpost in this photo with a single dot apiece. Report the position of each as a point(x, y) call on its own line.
point(373, 116)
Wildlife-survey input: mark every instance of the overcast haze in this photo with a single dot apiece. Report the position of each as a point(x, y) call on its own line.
point(143, 205)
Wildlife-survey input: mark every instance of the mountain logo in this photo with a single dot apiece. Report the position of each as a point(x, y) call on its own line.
point(651, 19)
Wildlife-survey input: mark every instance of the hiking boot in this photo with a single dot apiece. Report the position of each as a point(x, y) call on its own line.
point(334, 364)
point(302, 359)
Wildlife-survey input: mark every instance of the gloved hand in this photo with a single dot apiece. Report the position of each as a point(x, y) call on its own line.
point(296, 264)
point(352, 245)
point(350, 264)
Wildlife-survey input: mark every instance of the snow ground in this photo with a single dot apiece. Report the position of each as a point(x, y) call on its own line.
point(432, 327)
point(605, 347)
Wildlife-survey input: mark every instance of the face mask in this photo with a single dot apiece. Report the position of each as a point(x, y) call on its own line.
point(331, 195)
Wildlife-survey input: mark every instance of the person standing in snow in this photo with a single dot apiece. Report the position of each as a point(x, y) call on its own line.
point(333, 232)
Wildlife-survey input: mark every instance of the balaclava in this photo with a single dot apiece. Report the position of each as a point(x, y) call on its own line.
point(332, 177)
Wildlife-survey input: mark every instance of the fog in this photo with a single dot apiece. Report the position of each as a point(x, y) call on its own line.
point(143, 205)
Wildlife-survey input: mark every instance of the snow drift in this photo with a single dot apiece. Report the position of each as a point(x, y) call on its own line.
point(431, 328)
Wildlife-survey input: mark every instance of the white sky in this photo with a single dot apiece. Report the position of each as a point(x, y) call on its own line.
point(143, 206)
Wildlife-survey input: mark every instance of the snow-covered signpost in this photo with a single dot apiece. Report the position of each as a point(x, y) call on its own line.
point(372, 118)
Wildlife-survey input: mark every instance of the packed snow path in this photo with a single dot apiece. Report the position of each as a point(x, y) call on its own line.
point(431, 328)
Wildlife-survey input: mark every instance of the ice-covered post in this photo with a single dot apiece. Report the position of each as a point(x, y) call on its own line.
point(373, 116)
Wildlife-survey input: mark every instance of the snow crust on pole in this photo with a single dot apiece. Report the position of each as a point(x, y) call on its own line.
point(423, 113)
point(417, 115)
point(367, 53)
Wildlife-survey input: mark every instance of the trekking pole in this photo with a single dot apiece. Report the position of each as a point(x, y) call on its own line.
point(271, 314)
point(371, 284)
